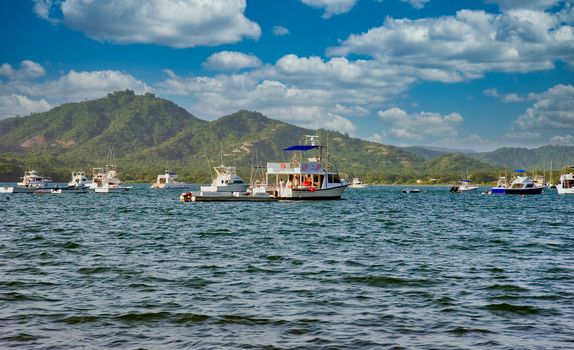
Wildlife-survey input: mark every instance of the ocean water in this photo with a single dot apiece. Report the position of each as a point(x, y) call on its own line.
point(380, 269)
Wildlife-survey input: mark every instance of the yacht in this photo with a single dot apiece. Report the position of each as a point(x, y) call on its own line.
point(168, 180)
point(106, 179)
point(225, 183)
point(540, 181)
point(465, 186)
point(305, 178)
point(566, 185)
point(523, 184)
point(356, 183)
point(31, 182)
point(79, 181)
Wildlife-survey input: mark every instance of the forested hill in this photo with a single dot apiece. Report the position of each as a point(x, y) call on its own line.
point(148, 133)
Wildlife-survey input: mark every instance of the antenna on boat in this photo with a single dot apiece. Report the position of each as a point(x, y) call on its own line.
point(207, 158)
point(562, 163)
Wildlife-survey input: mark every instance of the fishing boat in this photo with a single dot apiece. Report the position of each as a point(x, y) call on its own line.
point(168, 180)
point(106, 179)
point(356, 183)
point(226, 186)
point(411, 190)
point(79, 181)
point(522, 184)
point(540, 181)
point(31, 182)
point(305, 177)
point(566, 185)
point(465, 186)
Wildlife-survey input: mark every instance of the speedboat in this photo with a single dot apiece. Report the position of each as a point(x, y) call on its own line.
point(356, 183)
point(305, 178)
point(411, 190)
point(500, 187)
point(31, 182)
point(566, 185)
point(465, 186)
point(168, 180)
point(523, 184)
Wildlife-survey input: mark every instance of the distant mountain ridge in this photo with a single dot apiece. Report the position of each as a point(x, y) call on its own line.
point(150, 133)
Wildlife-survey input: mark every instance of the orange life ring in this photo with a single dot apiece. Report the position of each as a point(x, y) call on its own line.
point(282, 165)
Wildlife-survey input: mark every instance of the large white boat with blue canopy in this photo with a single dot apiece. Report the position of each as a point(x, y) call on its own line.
point(311, 177)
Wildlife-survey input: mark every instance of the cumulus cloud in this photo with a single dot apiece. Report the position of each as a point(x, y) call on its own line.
point(565, 140)
point(229, 60)
point(13, 105)
point(331, 7)
point(215, 96)
point(75, 86)
point(175, 23)
point(507, 98)
point(418, 4)
point(467, 45)
point(553, 110)
point(280, 31)
point(28, 70)
point(525, 4)
point(420, 126)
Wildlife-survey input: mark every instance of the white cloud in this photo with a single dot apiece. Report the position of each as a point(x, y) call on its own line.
point(553, 110)
point(28, 70)
point(229, 60)
point(280, 31)
point(466, 46)
point(510, 98)
point(75, 86)
point(418, 4)
point(491, 92)
point(331, 7)
point(12, 105)
point(524, 4)
point(175, 23)
point(562, 140)
point(419, 127)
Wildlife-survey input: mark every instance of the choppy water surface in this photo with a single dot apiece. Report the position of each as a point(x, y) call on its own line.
point(380, 269)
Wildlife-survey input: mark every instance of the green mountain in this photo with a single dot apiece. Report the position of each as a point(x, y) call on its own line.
point(540, 159)
point(148, 133)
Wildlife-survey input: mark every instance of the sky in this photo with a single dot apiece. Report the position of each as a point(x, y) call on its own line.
point(465, 74)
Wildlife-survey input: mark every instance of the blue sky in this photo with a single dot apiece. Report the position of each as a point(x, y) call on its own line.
point(478, 74)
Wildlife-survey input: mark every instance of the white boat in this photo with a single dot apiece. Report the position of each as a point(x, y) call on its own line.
point(106, 179)
point(79, 181)
point(225, 183)
point(168, 180)
point(465, 186)
point(314, 178)
point(566, 185)
point(356, 183)
point(411, 190)
point(31, 182)
point(540, 181)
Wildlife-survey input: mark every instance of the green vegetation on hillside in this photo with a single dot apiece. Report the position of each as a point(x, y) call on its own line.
point(148, 134)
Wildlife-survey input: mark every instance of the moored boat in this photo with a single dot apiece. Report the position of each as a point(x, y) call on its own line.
point(106, 179)
point(566, 185)
point(523, 184)
point(168, 180)
point(356, 183)
point(314, 178)
point(465, 186)
point(31, 182)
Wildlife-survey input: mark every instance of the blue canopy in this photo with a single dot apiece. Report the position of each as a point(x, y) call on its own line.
point(464, 180)
point(519, 171)
point(299, 148)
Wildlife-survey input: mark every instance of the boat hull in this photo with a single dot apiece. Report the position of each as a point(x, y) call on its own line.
point(562, 190)
point(111, 189)
point(318, 194)
point(18, 189)
point(521, 191)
